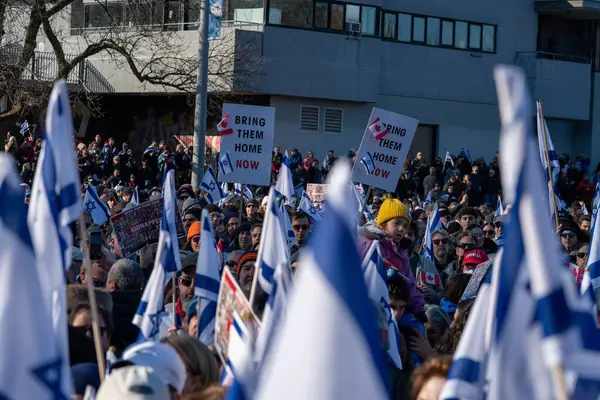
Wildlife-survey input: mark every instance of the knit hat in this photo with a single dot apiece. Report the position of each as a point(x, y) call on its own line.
point(189, 203)
point(247, 256)
point(194, 230)
point(390, 209)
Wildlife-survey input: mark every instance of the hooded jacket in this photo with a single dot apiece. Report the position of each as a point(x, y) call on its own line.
point(397, 258)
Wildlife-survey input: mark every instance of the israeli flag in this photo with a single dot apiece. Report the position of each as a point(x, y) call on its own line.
point(240, 367)
point(466, 153)
point(211, 187)
point(375, 278)
point(325, 160)
point(55, 204)
point(434, 223)
point(362, 202)
point(329, 332)
point(368, 163)
point(242, 191)
point(135, 198)
point(32, 361)
point(499, 208)
point(448, 159)
point(225, 165)
point(273, 249)
point(148, 314)
point(24, 127)
point(286, 221)
point(591, 277)
point(428, 200)
point(207, 282)
point(97, 209)
point(307, 206)
point(284, 184)
point(595, 205)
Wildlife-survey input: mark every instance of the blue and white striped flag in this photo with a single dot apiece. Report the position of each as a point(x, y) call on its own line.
point(428, 200)
point(243, 190)
point(207, 281)
point(595, 205)
point(466, 153)
point(135, 197)
point(362, 202)
point(24, 127)
point(148, 314)
point(225, 165)
point(499, 208)
point(240, 366)
point(448, 159)
point(286, 221)
point(273, 249)
point(329, 332)
point(434, 223)
point(307, 206)
point(31, 363)
point(211, 187)
point(97, 209)
point(55, 204)
point(284, 184)
point(368, 163)
point(375, 278)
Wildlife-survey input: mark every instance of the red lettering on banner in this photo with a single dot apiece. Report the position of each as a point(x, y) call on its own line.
point(245, 164)
point(384, 173)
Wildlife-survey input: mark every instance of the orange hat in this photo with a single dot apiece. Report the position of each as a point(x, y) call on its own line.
point(194, 230)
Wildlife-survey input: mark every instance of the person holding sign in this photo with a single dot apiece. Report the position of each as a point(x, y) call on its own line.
point(390, 229)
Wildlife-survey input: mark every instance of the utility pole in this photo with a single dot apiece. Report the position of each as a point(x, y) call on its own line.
point(201, 98)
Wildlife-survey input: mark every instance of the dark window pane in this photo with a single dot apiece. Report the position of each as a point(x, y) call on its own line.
point(404, 27)
point(460, 34)
point(96, 15)
point(418, 29)
point(475, 36)
point(433, 31)
point(368, 19)
point(447, 33)
point(389, 26)
point(337, 17)
point(489, 38)
point(291, 13)
point(321, 15)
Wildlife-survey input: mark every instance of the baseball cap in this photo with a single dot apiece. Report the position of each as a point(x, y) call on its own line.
point(133, 383)
point(162, 358)
point(475, 257)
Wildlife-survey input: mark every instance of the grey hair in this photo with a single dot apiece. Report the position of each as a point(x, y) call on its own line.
point(126, 274)
point(436, 315)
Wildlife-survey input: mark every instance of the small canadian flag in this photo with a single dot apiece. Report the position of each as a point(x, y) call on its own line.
point(378, 129)
point(223, 126)
point(430, 278)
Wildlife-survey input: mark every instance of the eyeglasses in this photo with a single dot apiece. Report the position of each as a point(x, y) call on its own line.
point(437, 242)
point(567, 235)
point(196, 239)
point(489, 232)
point(465, 246)
point(581, 254)
point(186, 281)
point(300, 227)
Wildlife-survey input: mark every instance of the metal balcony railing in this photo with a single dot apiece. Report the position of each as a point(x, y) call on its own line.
point(175, 27)
point(553, 56)
point(43, 66)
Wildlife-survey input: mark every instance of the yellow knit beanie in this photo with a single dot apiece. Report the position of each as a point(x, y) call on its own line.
point(390, 209)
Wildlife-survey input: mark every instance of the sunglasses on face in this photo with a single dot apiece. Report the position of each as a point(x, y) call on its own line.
point(568, 235)
point(465, 246)
point(437, 242)
point(300, 227)
point(581, 254)
point(186, 281)
point(196, 239)
point(489, 232)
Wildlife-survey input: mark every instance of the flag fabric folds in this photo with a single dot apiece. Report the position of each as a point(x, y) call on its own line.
point(225, 164)
point(434, 223)
point(285, 184)
point(551, 171)
point(211, 187)
point(378, 129)
point(329, 330)
point(448, 159)
point(32, 362)
point(242, 190)
point(55, 204)
point(499, 208)
point(135, 197)
point(368, 163)
point(307, 206)
point(97, 209)
point(223, 126)
point(207, 281)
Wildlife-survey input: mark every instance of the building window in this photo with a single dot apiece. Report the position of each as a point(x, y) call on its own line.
point(368, 20)
point(489, 38)
point(337, 17)
point(447, 33)
point(104, 15)
point(433, 31)
point(296, 13)
point(404, 27)
point(461, 34)
point(321, 15)
point(389, 25)
point(246, 11)
point(309, 118)
point(333, 120)
point(418, 29)
point(474, 36)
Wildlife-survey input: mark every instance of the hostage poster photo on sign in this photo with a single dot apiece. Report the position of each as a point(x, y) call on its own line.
point(386, 141)
point(250, 145)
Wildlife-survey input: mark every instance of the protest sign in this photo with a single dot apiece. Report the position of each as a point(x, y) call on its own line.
point(231, 301)
point(140, 226)
point(250, 145)
point(388, 152)
point(476, 279)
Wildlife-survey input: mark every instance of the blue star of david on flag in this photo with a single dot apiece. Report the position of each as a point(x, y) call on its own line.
point(368, 163)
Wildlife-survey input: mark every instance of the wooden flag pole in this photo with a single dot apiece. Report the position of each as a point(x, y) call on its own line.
point(548, 167)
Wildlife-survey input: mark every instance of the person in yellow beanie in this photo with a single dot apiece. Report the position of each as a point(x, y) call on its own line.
point(390, 228)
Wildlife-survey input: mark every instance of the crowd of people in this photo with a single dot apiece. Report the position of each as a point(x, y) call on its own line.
point(430, 314)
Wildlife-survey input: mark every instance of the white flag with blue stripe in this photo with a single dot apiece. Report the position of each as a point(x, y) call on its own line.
point(328, 341)
point(207, 281)
point(24, 127)
point(211, 187)
point(273, 249)
point(596, 204)
point(135, 197)
point(307, 206)
point(434, 223)
point(286, 222)
point(148, 314)
point(467, 155)
point(55, 204)
point(31, 366)
point(368, 163)
point(97, 209)
point(284, 184)
point(375, 278)
point(448, 159)
point(499, 208)
point(226, 165)
point(243, 191)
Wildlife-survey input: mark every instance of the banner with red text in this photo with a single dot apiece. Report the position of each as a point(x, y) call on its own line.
point(388, 152)
point(250, 146)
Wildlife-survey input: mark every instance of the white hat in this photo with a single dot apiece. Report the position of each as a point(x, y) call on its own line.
point(133, 383)
point(163, 359)
point(265, 201)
